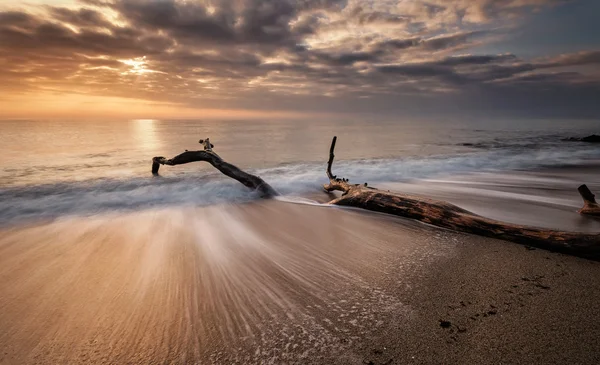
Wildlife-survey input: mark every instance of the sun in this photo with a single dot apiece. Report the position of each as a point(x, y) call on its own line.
point(138, 66)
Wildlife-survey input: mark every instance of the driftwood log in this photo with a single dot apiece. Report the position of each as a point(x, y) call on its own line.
point(208, 155)
point(446, 215)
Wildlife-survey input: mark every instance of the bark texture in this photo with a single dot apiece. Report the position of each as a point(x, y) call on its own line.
point(446, 215)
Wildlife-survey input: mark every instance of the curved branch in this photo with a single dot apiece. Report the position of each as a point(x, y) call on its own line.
point(336, 184)
point(248, 180)
point(446, 215)
point(330, 175)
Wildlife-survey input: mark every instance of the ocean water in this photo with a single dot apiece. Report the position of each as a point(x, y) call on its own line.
point(53, 169)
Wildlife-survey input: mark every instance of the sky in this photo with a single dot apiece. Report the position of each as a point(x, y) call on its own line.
point(286, 58)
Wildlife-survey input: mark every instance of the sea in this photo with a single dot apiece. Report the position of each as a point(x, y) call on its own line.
point(515, 170)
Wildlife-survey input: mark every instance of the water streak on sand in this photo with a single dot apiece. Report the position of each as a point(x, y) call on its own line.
point(190, 283)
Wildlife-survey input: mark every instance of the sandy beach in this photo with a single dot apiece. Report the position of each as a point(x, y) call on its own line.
point(277, 283)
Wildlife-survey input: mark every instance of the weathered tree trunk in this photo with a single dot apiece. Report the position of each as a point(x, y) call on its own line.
point(248, 180)
point(446, 215)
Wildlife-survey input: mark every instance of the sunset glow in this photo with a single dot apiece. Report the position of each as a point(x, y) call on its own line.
point(182, 57)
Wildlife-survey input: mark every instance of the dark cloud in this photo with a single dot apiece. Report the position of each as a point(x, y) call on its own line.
point(450, 69)
point(226, 22)
point(416, 70)
point(477, 59)
point(498, 72)
point(81, 17)
point(40, 36)
point(452, 40)
point(11, 18)
point(547, 78)
point(484, 71)
point(181, 19)
point(396, 44)
point(275, 52)
point(343, 59)
point(577, 59)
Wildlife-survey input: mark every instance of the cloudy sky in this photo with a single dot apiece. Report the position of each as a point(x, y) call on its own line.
point(187, 58)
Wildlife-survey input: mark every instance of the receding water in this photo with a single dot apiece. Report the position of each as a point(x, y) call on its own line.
point(54, 168)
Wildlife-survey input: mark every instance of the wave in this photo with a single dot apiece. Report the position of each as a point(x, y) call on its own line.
point(296, 178)
point(293, 181)
point(104, 195)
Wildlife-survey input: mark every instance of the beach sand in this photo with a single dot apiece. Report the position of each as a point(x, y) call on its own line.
point(277, 283)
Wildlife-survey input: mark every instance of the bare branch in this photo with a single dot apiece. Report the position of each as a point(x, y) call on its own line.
point(248, 180)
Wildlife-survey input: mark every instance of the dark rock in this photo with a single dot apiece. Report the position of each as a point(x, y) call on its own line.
point(445, 324)
point(594, 138)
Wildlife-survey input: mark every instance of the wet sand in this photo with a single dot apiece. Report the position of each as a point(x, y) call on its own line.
point(279, 283)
